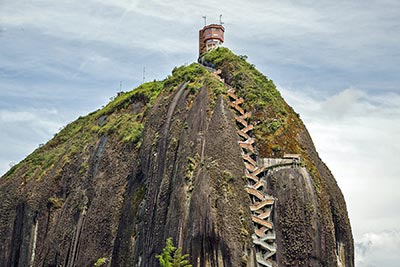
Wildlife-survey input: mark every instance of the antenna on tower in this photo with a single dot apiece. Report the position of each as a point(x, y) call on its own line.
point(205, 20)
point(220, 20)
point(144, 74)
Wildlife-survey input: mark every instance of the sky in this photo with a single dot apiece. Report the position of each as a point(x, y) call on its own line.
point(336, 62)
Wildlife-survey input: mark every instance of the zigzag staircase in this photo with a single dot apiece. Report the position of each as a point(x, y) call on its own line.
point(261, 204)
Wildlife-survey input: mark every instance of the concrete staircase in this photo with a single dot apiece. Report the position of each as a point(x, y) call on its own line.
point(261, 204)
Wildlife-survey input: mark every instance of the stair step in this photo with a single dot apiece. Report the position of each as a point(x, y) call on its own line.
point(242, 121)
point(248, 128)
point(257, 185)
point(263, 235)
point(262, 262)
point(255, 193)
point(238, 101)
point(259, 205)
point(249, 167)
point(233, 95)
point(242, 134)
point(268, 246)
point(265, 260)
point(246, 115)
point(250, 141)
point(259, 170)
point(246, 146)
point(248, 158)
point(252, 177)
point(265, 215)
point(260, 232)
point(239, 109)
point(261, 222)
point(269, 236)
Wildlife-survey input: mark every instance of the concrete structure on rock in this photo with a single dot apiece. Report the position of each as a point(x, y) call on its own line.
point(210, 37)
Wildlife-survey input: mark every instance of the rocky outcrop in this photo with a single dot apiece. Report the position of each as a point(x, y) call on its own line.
point(164, 161)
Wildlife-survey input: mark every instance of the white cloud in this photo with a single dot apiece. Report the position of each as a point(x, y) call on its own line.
point(376, 249)
point(115, 23)
point(343, 35)
point(134, 23)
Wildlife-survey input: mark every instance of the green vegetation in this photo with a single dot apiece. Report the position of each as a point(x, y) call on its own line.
point(100, 262)
point(276, 148)
point(146, 92)
point(55, 202)
point(190, 167)
point(279, 130)
point(260, 94)
point(228, 176)
point(172, 256)
point(84, 167)
point(189, 171)
point(276, 124)
point(195, 86)
point(76, 137)
point(190, 73)
point(251, 84)
point(125, 125)
point(155, 139)
point(116, 119)
point(216, 88)
point(137, 199)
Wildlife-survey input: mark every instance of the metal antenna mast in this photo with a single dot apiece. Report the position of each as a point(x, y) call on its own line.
point(220, 20)
point(120, 86)
point(144, 74)
point(205, 20)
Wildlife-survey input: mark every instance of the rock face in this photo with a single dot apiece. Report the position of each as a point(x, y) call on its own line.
point(163, 161)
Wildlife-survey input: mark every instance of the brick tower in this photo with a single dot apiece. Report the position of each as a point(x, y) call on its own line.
point(210, 37)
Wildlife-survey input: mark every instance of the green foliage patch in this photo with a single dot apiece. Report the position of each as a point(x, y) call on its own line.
point(55, 202)
point(100, 262)
point(251, 84)
point(275, 122)
point(124, 125)
point(137, 199)
point(119, 121)
point(146, 92)
point(183, 74)
point(76, 136)
point(172, 256)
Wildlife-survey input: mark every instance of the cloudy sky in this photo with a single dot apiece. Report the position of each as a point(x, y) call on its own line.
point(336, 62)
